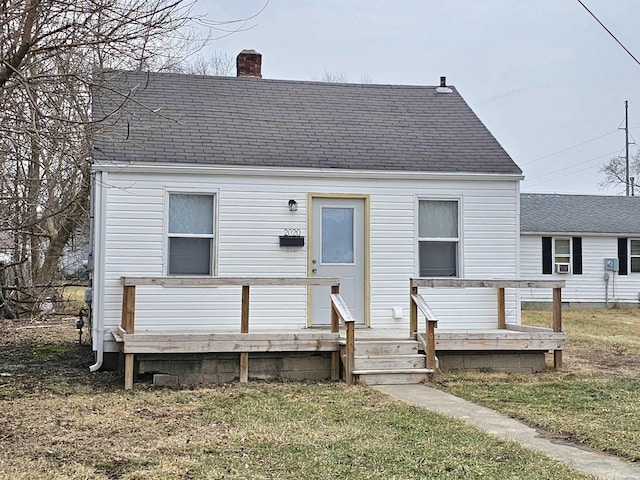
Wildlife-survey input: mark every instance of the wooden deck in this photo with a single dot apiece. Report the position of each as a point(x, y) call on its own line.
point(340, 341)
point(203, 342)
point(514, 337)
point(499, 340)
point(323, 340)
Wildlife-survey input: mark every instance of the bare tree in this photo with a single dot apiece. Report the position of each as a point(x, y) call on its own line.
point(51, 53)
point(218, 64)
point(366, 79)
point(615, 172)
point(330, 77)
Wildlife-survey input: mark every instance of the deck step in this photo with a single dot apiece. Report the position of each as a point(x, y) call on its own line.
point(386, 347)
point(389, 362)
point(370, 371)
point(392, 377)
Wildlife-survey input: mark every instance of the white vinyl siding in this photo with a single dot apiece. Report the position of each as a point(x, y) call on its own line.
point(252, 212)
point(590, 286)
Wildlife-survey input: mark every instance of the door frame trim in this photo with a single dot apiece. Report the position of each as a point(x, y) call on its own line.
point(367, 247)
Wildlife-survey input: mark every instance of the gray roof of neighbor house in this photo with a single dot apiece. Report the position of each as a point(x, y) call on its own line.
point(274, 123)
point(597, 214)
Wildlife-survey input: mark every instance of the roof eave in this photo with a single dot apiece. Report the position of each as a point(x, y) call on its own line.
point(173, 168)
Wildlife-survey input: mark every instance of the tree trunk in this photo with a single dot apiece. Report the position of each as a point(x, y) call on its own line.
point(57, 243)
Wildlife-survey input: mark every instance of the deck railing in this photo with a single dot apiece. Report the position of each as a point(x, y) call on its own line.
point(340, 312)
point(130, 283)
point(428, 342)
point(500, 286)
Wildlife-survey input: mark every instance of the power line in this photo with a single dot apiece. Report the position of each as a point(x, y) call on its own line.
point(556, 177)
point(569, 148)
point(609, 32)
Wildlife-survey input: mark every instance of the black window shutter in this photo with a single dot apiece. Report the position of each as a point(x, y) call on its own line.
point(547, 263)
point(622, 256)
point(577, 255)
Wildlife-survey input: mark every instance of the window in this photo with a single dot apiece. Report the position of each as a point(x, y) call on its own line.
point(438, 238)
point(634, 255)
point(562, 255)
point(337, 235)
point(190, 234)
point(562, 250)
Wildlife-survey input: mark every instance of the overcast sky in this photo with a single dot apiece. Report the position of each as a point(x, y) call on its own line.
point(543, 75)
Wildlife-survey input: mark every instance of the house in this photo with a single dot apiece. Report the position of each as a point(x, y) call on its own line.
point(592, 242)
point(216, 177)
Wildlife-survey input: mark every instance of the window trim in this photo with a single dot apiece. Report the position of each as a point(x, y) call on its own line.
point(570, 255)
point(213, 268)
point(629, 256)
point(548, 254)
point(458, 240)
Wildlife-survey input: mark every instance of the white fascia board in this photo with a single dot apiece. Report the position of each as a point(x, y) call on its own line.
point(177, 168)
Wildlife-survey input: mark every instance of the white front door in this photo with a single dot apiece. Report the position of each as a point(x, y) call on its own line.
point(338, 250)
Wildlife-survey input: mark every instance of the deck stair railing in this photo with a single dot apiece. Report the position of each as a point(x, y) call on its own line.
point(340, 314)
point(428, 341)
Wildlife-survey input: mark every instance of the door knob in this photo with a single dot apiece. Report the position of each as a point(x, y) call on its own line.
point(314, 270)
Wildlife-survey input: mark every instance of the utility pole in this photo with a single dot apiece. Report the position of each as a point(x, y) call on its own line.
point(626, 145)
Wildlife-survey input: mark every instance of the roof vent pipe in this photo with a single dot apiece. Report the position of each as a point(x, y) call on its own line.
point(443, 86)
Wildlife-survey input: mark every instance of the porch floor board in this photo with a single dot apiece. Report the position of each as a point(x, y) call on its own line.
point(320, 339)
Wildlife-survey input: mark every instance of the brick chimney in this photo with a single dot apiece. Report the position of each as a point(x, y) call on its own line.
point(249, 64)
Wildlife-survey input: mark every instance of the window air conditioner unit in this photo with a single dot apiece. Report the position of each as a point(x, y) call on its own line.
point(563, 268)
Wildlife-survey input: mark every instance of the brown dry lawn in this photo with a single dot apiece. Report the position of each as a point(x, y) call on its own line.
point(58, 421)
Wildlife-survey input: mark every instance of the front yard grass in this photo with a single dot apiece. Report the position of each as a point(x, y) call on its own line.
point(594, 399)
point(60, 422)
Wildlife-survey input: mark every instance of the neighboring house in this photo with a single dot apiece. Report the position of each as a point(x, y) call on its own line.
point(592, 242)
point(202, 176)
point(74, 259)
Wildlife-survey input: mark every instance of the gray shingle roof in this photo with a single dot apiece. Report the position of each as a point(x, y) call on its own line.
point(542, 213)
point(247, 121)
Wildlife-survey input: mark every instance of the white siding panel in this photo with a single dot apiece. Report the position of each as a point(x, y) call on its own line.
point(588, 287)
point(251, 214)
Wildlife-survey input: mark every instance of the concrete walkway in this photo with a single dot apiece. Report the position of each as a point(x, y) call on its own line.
point(581, 458)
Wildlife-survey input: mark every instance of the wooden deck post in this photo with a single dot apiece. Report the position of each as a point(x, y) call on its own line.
point(128, 320)
point(557, 324)
point(350, 353)
point(244, 328)
point(413, 309)
point(431, 344)
point(502, 317)
point(335, 321)
point(128, 371)
point(335, 328)
point(128, 323)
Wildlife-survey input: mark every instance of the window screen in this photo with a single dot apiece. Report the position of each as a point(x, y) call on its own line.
point(191, 234)
point(438, 238)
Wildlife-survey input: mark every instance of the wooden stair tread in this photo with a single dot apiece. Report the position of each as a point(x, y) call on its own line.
point(393, 371)
point(392, 355)
point(343, 341)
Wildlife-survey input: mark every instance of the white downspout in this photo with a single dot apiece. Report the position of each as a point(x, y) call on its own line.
point(97, 328)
